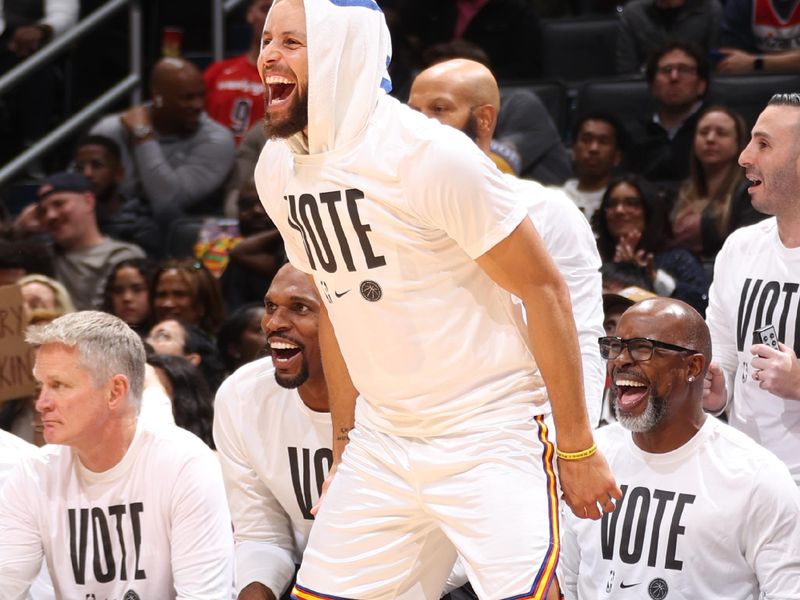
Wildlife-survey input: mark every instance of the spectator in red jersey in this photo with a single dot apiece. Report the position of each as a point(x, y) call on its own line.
point(234, 92)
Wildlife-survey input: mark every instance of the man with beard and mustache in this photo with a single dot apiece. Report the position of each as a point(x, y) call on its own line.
point(266, 409)
point(464, 94)
point(706, 512)
point(756, 278)
point(525, 140)
point(272, 429)
point(420, 250)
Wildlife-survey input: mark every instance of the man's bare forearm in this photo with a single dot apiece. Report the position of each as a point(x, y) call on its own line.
point(555, 347)
point(341, 392)
point(521, 265)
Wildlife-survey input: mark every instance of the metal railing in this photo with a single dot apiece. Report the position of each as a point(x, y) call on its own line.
point(130, 85)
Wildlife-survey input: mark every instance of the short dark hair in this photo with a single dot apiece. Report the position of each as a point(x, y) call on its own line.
point(107, 143)
point(791, 99)
point(690, 48)
point(30, 256)
point(625, 275)
point(619, 130)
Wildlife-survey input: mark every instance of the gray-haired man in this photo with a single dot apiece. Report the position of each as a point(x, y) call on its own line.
point(118, 509)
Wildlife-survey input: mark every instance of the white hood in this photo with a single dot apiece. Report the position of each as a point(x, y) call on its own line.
point(349, 50)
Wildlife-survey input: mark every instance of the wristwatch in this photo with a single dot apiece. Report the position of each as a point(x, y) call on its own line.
point(141, 131)
point(758, 63)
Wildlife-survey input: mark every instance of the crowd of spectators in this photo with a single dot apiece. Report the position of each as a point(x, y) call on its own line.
point(119, 226)
point(107, 230)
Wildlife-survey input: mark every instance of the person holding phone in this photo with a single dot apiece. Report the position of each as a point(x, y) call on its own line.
point(756, 280)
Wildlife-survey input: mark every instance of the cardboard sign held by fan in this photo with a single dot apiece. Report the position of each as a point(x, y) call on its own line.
point(16, 357)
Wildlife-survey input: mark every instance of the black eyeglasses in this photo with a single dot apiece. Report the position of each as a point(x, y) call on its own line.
point(640, 349)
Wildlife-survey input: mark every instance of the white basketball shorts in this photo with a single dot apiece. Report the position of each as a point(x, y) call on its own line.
point(400, 510)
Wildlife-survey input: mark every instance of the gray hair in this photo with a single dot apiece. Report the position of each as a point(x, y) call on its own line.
point(792, 99)
point(106, 347)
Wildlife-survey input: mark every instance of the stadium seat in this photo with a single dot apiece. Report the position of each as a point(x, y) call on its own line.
point(748, 94)
point(577, 49)
point(625, 99)
point(553, 95)
point(629, 99)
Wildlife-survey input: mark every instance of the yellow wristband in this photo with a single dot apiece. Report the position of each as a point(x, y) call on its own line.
point(577, 455)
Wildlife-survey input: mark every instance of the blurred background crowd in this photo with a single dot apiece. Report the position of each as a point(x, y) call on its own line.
point(143, 205)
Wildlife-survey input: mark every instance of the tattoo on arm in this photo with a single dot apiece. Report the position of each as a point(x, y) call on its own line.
point(343, 435)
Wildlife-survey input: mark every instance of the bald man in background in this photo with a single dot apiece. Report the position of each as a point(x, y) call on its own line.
point(175, 156)
point(464, 94)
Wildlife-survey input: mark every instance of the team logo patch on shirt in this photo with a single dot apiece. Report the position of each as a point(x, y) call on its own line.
point(658, 589)
point(610, 582)
point(370, 290)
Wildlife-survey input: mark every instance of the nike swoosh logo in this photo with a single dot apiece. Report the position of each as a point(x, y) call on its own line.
point(338, 295)
point(628, 585)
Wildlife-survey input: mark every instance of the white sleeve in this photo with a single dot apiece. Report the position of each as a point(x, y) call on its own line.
point(262, 529)
point(60, 14)
point(570, 560)
point(201, 539)
point(21, 550)
point(572, 245)
point(772, 532)
point(42, 587)
point(156, 407)
point(721, 315)
point(474, 205)
point(270, 176)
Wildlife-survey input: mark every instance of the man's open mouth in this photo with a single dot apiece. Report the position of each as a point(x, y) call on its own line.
point(630, 391)
point(754, 181)
point(283, 351)
point(278, 89)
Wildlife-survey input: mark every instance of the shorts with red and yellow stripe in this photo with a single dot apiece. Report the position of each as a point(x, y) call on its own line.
point(400, 510)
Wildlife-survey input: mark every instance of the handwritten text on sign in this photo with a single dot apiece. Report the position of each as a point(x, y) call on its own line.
point(16, 357)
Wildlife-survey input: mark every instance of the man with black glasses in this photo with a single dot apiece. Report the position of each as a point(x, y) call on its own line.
point(677, 78)
point(706, 512)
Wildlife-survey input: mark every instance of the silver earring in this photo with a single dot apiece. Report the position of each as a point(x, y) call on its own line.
point(691, 378)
